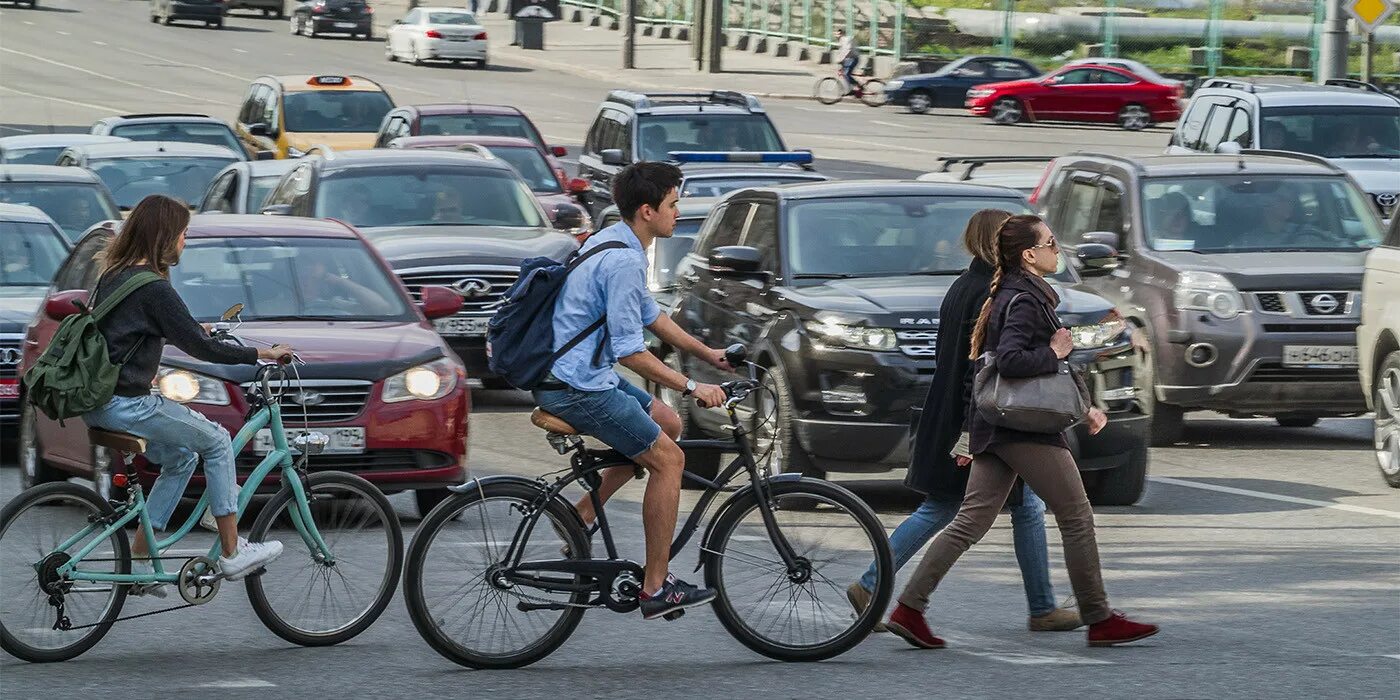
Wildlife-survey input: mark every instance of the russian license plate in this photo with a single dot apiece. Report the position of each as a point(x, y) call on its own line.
point(342, 440)
point(9, 388)
point(461, 326)
point(1319, 356)
point(345, 25)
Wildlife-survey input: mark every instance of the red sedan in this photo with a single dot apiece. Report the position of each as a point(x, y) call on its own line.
point(378, 380)
point(1097, 94)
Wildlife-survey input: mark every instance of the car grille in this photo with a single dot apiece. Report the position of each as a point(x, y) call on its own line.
point(482, 289)
point(1308, 304)
point(918, 344)
point(370, 460)
point(1386, 203)
point(1324, 303)
point(331, 401)
point(1276, 372)
point(1310, 327)
point(1271, 302)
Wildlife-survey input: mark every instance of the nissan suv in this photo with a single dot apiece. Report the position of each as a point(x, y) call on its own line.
point(1242, 274)
point(836, 286)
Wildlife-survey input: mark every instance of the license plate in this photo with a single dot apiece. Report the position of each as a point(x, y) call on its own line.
point(461, 326)
point(9, 388)
point(345, 25)
point(1319, 356)
point(459, 38)
point(342, 440)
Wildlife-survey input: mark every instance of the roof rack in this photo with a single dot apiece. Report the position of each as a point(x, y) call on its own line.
point(1127, 160)
point(1229, 83)
point(1294, 155)
point(975, 162)
point(645, 101)
point(164, 114)
point(1354, 84)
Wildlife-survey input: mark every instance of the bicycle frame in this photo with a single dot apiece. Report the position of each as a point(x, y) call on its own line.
point(280, 456)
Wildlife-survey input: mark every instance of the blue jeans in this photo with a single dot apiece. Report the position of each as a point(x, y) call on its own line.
point(176, 439)
point(1028, 536)
point(620, 417)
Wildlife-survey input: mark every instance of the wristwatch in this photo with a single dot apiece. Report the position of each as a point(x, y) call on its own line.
point(689, 387)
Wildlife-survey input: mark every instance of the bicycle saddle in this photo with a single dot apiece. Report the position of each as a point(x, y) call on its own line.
point(544, 420)
point(121, 442)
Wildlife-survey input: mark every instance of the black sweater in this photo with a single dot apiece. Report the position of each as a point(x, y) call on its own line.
point(146, 320)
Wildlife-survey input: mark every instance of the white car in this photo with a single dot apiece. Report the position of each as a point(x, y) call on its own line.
point(1378, 338)
point(437, 34)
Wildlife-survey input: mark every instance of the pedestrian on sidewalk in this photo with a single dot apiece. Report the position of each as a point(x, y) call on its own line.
point(1026, 344)
point(934, 471)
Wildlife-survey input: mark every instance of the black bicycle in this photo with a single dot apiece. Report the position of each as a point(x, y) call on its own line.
point(489, 585)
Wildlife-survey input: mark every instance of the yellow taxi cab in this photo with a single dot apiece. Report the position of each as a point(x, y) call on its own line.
point(287, 114)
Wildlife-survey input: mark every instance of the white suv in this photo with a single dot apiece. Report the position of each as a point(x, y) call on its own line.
point(1378, 338)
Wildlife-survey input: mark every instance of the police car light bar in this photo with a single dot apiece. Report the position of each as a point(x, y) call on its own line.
point(800, 157)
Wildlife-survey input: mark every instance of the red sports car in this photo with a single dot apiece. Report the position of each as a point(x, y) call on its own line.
point(378, 380)
point(1098, 94)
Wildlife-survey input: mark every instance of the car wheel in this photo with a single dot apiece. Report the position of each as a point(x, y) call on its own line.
point(217, 25)
point(166, 19)
point(389, 52)
point(1386, 394)
point(417, 57)
point(482, 64)
point(427, 500)
point(1166, 422)
point(155, 18)
point(293, 26)
point(920, 101)
point(1008, 110)
point(367, 36)
point(32, 470)
point(1122, 485)
point(1134, 117)
point(309, 28)
point(1296, 420)
point(774, 415)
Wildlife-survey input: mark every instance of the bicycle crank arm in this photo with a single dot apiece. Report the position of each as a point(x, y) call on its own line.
point(526, 606)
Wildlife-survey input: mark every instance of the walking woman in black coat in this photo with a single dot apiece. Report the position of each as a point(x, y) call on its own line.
point(933, 470)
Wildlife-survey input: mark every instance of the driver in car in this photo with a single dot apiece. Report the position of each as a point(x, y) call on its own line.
point(325, 291)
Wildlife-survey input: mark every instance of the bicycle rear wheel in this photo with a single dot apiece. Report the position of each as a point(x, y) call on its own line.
point(873, 92)
point(830, 90)
point(460, 608)
point(802, 614)
point(31, 528)
point(308, 600)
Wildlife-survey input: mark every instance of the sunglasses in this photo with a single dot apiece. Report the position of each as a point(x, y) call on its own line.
point(1052, 243)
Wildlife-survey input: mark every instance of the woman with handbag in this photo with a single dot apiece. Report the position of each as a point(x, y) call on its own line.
point(1026, 350)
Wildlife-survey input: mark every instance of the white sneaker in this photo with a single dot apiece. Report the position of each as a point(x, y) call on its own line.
point(154, 590)
point(250, 557)
point(207, 521)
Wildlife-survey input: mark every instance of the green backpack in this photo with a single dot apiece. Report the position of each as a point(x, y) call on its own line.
point(75, 375)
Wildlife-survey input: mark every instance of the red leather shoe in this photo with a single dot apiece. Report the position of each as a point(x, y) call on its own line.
point(910, 624)
point(1118, 629)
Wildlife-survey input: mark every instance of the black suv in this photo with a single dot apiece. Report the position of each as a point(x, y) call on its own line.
point(632, 126)
point(835, 286)
point(447, 218)
point(1242, 274)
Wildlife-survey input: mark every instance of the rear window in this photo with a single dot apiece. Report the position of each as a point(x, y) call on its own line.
point(410, 196)
point(464, 19)
point(334, 111)
point(513, 125)
point(132, 179)
point(531, 165)
point(73, 206)
point(30, 253)
point(662, 134)
point(31, 156)
point(717, 186)
point(212, 134)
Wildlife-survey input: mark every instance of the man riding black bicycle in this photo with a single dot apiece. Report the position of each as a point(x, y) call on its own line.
point(584, 390)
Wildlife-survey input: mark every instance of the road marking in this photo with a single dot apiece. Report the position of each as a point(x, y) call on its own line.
point(15, 128)
point(897, 126)
point(239, 78)
point(28, 22)
point(1275, 497)
point(112, 78)
point(1012, 653)
point(239, 683)
point(99, 43)
point(100, 108)
point(63, 33)
point(1392, 656)
point(876, 144)
point(827, 110)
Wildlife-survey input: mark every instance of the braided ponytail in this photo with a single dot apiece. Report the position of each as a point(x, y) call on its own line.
point(979, 332)
point(1015, 236)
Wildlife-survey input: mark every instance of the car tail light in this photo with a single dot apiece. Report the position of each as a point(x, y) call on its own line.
point(318, 9)
point(480, 37)
point(433, 34)
point(1035, 194)
point(369, 10)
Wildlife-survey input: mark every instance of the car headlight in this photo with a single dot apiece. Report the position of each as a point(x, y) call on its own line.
point(1208, 291)
point(184, 386)
point(858, 337)
point(979, 92)
point(1097, 335)
point(894, 85)
point(425, 382)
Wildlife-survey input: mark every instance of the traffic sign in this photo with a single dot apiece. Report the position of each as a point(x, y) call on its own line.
point(1369, 13)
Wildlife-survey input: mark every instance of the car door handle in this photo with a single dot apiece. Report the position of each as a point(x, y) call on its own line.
point(718, 293)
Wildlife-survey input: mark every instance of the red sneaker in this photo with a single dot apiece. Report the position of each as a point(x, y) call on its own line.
point(1118, 629)
point(911, 625)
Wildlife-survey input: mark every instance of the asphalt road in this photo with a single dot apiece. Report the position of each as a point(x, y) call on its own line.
point(1270, 556)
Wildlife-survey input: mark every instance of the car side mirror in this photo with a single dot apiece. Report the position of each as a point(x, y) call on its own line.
point(1229, 148)
point(277, 210)
point(611, 156)
point(438, 302)
point(1106, 238)
point(568, 217)
point(65, 304)
point(736, 261)
point(258, 129)
point(579, 185)
point(265, 155)
point(1096, 259)
point(559, 151)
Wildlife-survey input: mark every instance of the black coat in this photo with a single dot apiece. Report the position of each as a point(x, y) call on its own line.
point(932, 470)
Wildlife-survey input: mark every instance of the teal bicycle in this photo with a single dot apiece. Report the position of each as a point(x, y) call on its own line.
point(65, 561)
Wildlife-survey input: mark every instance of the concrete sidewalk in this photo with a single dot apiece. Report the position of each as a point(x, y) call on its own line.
point(576, 48)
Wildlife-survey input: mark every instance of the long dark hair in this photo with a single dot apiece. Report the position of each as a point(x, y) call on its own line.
point(1016, 236)
point(150, 233)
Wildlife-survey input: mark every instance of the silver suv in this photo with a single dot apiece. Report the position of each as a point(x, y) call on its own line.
point(1354, 125)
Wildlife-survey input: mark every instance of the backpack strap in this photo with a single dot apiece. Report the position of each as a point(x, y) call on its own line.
point(132, 284)
point(579, 258)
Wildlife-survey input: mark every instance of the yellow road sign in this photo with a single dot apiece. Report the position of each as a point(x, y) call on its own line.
point(1369, 13)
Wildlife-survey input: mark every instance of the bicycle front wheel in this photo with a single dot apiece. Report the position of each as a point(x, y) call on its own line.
point(830, 90)
point(309, 599)
point(872, 92)
point(798, 614)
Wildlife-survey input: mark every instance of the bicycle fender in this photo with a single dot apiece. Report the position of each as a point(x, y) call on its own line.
point(731, 502)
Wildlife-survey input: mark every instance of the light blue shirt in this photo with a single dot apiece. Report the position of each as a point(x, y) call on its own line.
point(612, 282)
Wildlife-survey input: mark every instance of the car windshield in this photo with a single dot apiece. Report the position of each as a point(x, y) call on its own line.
point(719, 186)
point(32, 156)
point(662, 134)
point(188, 132)
point(883, 236)
point(1333, 131)
point(30, 253)
point(287, 278)
point(531, 165)
point(1257, 213)
point(132, 179)
point(666, 253)
point(512, 125)
point(258, 190)
point(452, 18)
point(334, 111)
point(73, 206)
point(420, 196)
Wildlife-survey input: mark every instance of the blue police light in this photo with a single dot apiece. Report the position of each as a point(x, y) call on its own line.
point(799, 157)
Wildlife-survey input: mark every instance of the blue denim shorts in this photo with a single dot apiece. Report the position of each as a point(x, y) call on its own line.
point(620, 417)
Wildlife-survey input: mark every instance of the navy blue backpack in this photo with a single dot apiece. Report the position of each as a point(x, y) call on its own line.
point(520, 335)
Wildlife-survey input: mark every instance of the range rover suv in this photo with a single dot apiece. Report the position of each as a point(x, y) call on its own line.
point(835, 286)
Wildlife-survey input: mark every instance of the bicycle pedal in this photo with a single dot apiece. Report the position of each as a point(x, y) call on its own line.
point(673, 615)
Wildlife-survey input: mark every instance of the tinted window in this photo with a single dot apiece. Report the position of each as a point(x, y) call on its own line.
point(1009, 70)
point(730, 226)
point(972, 69)
point(415, 196)
point(132, 179)
point(531, 165)
point(452, 18)
point(1110, 212)
point(259, 189)
point(1333, 132)
point(30, 253)
point(413, 17)
point(1216, 125)
point(666, 253)
point(1193, 126)
point(1104, 76)
point(334, 111)
point(1076, 77)
point(1239, 131)
point(217, 199)
point(212, 134)
point(706, 132)
point(762, 233)
point(717, 186)
point(882, 236)
point(1078, 212)
point(79, 271)
point(32, 156)
point(513, 125)
point(74, 207)
point(275, 278)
